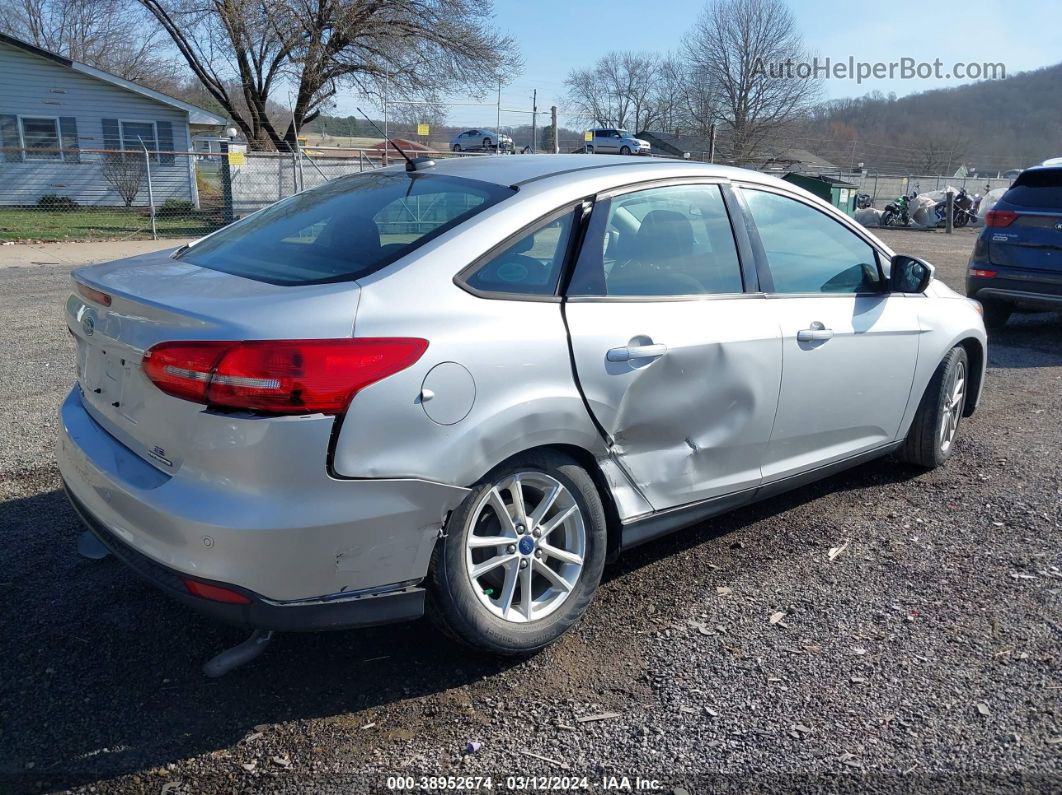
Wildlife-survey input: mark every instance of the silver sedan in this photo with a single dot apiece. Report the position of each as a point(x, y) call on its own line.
point(464, 387)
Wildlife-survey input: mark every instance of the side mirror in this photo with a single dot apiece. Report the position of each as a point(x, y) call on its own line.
point(909, 274)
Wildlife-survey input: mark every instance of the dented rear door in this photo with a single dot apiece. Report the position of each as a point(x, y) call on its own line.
point(685, 386)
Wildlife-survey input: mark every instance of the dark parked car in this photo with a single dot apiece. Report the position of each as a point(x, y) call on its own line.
point(1017, 261)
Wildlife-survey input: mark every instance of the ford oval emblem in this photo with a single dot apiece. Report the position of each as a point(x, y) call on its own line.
point(88, 324)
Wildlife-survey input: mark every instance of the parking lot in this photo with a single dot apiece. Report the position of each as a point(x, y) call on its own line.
point(926, 652)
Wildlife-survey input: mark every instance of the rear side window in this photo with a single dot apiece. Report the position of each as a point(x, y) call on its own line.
point(659, 242)
point(531, 265)
point(345, 229)
point(1039, 189)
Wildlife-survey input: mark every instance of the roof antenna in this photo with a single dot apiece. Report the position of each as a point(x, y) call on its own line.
point(411, 165)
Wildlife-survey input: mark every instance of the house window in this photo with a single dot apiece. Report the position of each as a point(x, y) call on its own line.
point(40, 138)
point(138, 134)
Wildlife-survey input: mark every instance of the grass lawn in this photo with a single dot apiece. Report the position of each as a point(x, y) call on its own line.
point(95, 224)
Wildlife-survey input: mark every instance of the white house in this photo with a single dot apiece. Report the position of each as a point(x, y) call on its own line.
point(59, 119)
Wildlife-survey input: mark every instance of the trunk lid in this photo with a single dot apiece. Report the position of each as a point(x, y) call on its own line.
point(1033, 240)
point(154, 299)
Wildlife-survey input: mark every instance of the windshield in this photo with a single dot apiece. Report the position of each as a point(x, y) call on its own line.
point(344, 229)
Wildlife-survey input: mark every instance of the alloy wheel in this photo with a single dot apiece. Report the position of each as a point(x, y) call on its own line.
point(525, 549)
point(956, 394)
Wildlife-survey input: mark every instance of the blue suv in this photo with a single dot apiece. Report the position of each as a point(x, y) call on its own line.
point(1017, 260)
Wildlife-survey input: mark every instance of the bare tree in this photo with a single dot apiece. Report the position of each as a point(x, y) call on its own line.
point(125, 171)
point(617, 91)
point(308, 49)
point(748, 53)
point(113, 35)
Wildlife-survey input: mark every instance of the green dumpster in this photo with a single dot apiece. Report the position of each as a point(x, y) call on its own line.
point(836, 191)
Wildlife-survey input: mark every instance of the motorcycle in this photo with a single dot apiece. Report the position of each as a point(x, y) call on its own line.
point(966, 207)
point(963, 211)
point(898, 212)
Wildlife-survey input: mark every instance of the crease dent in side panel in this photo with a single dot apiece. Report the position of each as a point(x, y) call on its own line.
point(684, 419)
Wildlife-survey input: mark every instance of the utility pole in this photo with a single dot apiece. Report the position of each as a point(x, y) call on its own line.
point(711, 143)
point(498, 130)
point(553, 123)
point(534, 121)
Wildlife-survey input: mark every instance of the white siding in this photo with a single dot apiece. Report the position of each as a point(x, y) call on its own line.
point(34, 86)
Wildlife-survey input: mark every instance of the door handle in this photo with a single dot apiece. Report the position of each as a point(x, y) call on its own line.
point(628, 352)
point(816, 333)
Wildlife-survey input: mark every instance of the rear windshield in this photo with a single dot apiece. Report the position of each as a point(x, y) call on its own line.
point(344, 229)
point(1041, 189)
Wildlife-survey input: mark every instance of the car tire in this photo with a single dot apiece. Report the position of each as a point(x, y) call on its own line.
point(625, 150)
point(996, 315)
point(457, 147)
point(930, 441)
point(589, 150)
point(487, 144)
point(465, 609)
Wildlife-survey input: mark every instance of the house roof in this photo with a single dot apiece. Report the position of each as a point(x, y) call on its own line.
point(196, 114)
point(677, 145)
point(799, 160)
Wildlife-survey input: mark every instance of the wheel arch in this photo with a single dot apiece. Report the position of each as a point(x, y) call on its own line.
point(975, 352)
point(588, 462)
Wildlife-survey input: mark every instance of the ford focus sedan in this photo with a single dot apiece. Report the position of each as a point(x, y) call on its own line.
point(462, 388)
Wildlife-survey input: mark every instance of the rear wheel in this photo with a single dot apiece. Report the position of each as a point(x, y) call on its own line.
point(930, 442)
point(521, 558)
point(996, 315)
point(887, 218)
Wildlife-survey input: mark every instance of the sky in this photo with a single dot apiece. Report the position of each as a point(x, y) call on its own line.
point(556, 36)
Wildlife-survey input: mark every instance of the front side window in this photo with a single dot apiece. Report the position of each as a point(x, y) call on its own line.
point(40, 138)
point(530, 266)
point(345, 229)
point(668, 241)
point(139, 134)
point(809, 252)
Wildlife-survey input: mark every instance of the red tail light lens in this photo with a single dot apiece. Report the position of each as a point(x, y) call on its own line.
point(279, 376)
point(981, 273)
point(92, 294)
point(215, 593)
point(998, 218)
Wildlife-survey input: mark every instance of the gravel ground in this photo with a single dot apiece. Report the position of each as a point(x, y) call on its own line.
point(925, 655)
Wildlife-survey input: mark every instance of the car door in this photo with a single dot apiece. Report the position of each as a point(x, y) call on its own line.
point(604, 141)
point(849, 346)
point(678, 364)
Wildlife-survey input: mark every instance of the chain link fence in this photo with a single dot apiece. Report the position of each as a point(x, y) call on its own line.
point(99, 194)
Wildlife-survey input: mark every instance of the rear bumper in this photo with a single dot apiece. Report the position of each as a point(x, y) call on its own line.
point(382, 606)
point(306, 540)
point(1022, 287)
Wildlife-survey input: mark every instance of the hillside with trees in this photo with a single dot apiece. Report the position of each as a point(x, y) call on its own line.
point(993, 125)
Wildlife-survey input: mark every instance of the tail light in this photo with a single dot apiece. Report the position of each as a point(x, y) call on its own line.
point(93, 294)
point(999, 218)
point(981, 273)
point(278, 376)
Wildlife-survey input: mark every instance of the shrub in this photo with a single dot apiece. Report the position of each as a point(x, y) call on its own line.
point(176, 207)
point(53, 201)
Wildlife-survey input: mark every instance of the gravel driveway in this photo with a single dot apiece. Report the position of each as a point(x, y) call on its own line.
point(925, 654)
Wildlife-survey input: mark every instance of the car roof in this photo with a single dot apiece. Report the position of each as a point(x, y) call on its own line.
point(520, 169)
